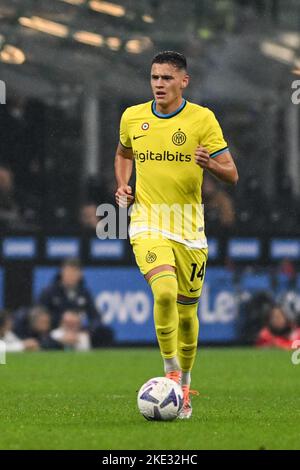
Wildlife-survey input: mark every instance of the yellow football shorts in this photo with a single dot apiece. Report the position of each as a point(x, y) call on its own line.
point(190, 264)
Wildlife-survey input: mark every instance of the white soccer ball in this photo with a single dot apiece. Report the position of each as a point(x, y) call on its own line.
point(160, 399)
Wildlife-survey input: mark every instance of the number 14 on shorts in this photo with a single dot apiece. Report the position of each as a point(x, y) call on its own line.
point(200, 273)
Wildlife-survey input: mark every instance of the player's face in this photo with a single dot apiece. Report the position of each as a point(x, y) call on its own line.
point(168, 83)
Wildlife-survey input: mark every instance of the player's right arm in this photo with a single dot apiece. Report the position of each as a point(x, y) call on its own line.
point(123, 171)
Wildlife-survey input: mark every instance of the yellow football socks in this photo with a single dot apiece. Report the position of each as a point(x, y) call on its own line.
point(164, 288)
point(188, 331)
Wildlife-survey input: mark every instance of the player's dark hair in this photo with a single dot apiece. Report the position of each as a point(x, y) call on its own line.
point(170, 57)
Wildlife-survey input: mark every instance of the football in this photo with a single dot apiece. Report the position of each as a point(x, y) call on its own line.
point(160, 399)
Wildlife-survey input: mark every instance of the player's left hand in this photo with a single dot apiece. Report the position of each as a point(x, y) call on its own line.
point(202, 157)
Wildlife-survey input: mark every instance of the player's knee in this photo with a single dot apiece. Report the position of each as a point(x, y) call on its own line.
point(165, 292)
point(165, 297)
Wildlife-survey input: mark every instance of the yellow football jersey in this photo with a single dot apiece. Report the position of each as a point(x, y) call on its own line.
point(168, 181)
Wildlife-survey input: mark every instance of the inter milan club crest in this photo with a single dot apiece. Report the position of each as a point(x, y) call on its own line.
point(179, 138)
point(145, 126)
point(151, 257)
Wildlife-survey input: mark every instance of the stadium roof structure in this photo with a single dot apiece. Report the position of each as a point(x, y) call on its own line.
point(62, 48)
point(65, 45)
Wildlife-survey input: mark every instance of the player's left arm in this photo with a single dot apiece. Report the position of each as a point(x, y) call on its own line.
point(222, 166)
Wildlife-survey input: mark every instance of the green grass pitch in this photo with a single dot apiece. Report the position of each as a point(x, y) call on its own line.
point(249, 399)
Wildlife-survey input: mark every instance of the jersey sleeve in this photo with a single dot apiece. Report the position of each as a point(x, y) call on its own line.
point(212, 136)
point(124, 132)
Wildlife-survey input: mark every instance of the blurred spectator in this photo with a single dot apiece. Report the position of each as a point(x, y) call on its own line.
point(9, 213)
point(218, 204)
point(12, 342)
point(69, 292)
point(284, 276)
point(291, 303)
point(69, 333)
point(37, 325)
point(253, 314)
point(288, 270)
point(87, 217)
point(279, 331)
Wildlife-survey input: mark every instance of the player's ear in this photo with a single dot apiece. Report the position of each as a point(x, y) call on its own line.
point(185, 81)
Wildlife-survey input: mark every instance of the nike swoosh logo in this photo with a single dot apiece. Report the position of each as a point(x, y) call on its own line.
point(194, 290)
point(138, 136)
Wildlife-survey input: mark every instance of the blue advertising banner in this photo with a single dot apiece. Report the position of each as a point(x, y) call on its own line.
point(103, 249)
point(285, 248)
point(19, 247)
point(244, 248)
point(213, 248)
point(62, 247)
point(125, 300)
point(218, 308)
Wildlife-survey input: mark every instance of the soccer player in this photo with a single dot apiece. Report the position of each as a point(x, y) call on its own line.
point(171, 141)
